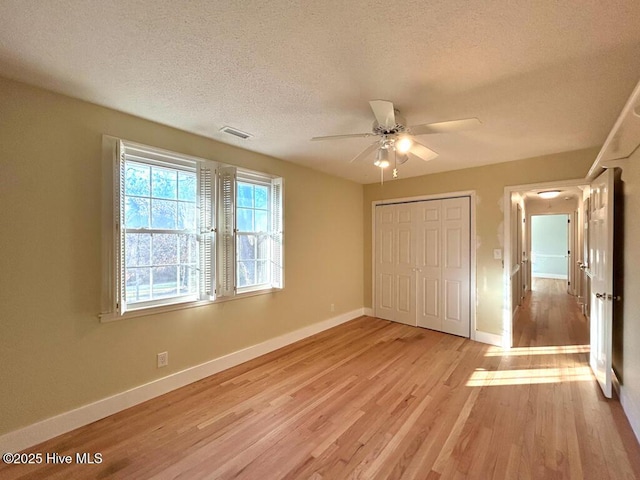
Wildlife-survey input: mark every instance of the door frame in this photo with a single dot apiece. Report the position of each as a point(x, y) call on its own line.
point(472, 245)
point(507, 316)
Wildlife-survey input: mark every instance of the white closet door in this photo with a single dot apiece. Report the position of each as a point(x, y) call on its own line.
point(444, 265)
point(422, 264)
point(456, 266)
point(385, 262)
point(395, 263)
point(429, 256)
point(405, 276)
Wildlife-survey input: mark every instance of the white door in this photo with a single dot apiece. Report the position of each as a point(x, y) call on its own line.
point(429, 267)
point(422, 264)
point(395, 263)
point(455, 266)
point(601, 273)
point(385, 262)
point(443, 268)
point(405, 277)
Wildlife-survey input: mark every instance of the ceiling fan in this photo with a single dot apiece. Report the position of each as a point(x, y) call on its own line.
point(397, 138)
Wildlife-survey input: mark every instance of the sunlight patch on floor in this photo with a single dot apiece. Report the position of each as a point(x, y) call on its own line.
point(488, 378)
point(550, 350)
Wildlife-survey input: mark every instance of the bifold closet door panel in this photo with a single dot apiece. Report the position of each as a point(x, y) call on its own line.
point(429, 254)
point(385, 262)
point(456, 266)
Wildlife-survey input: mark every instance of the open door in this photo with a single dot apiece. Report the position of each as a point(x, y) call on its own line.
point(601, 273)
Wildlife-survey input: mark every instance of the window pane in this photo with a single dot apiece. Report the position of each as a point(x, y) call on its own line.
point(245, 220)
point(165, 281)
point(137, 180)
point(262, 274)
point(187, 186)
point(261, 196)
point(137, 249)
point(136, 212)
point(246, 273)
point(263, 247)
point(186, 216)
point(188, 249)
point(164, 183)
point(165, 249)
point(138, 287)
point(246, 247)
point(245, 194)
point(163, 214)
point(188, 279)
point(262, 221)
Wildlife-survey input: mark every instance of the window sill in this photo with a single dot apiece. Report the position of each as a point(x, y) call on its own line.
point(144, 312)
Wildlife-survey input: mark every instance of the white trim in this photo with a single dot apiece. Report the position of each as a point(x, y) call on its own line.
point(170, 307)
point(473, 246)
point(23, 438)
point(369, 312)
point(489, 338)
point(599, 163)
point(631, 409)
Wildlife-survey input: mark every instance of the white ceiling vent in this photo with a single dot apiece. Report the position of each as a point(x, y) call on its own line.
point(235, 132)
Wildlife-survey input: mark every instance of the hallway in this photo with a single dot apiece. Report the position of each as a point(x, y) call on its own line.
point(549, 316)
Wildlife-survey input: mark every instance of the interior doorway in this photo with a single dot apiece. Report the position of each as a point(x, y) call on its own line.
point(550, 250)
point(544, 248)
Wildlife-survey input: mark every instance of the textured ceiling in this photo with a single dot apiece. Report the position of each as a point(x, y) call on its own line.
point(543, 77)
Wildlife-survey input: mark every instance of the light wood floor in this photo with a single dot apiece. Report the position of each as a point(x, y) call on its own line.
point(369, 399)
point(549, 316)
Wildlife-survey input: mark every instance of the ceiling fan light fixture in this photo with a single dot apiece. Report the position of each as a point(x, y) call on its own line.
point(403, 144)
point(382, 158)
point(549, 194)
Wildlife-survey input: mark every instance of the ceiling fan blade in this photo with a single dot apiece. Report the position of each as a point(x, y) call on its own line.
point(338, 137)
point(422, 152)
point(445, 127)
point(384, 112)
point(365, 152)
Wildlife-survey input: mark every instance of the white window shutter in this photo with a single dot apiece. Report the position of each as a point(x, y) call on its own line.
point(121, 289)
point(226, 231)
point(207, 235)
point(277, 234)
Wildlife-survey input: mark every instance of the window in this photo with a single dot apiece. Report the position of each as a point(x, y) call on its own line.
point(187, 231)
point(252, 238)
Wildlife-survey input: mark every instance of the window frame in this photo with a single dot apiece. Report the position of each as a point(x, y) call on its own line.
point(112, 308)
point(255, 181)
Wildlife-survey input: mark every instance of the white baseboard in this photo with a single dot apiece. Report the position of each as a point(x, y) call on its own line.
point(556, 276)
point(489, 338)
point(369, 312)
point(52, 427)
point(631, 410)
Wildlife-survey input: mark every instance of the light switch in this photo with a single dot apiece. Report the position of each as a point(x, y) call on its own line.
point(497, 254)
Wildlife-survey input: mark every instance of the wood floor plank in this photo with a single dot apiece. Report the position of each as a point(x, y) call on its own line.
point(373, 399)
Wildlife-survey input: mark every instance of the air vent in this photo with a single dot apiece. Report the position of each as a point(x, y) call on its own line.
point(235, 132)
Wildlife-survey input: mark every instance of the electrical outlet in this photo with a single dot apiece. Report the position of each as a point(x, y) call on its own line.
point(332, 307)
point(163, 359)
point(497, 253)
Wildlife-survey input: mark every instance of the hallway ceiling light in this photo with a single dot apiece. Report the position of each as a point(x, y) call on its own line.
point(549, 194)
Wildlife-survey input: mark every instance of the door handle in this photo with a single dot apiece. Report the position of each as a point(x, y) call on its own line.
point(600, 295)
